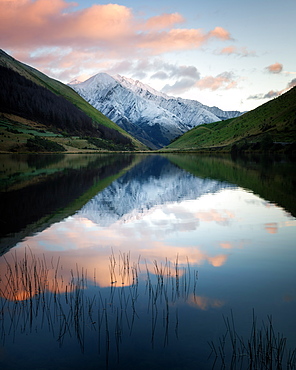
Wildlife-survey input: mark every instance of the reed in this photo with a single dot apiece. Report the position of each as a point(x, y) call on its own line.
point(263, 349)
point(36, 295)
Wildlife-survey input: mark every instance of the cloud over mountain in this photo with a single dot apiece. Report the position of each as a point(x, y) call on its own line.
point(153, 41)
point(56, 23)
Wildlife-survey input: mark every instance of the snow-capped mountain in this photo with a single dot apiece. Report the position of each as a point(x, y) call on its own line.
point(151, 116)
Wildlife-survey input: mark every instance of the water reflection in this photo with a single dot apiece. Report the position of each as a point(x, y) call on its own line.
point(40, 190)
point(106, 317)
point(155, 181)
point(272, 178)
point(190, 229)
point(159, 253)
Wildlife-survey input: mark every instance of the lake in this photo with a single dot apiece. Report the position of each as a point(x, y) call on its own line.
point(146, 261)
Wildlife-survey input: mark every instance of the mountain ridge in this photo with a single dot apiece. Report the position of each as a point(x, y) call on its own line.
point(151, 116)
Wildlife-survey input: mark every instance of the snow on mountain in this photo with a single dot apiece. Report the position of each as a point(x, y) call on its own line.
point(151, 116)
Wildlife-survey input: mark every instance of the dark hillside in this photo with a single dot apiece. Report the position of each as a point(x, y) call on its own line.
point(30, 99)
point(24, 98)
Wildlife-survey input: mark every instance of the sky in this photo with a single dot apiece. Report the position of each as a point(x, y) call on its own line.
point(232, 54)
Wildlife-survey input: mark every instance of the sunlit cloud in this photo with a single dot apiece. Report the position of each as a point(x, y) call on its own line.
point(179, 39)
point(234, 50)
point(164, 21)
point(224, 81)
point(51, 23)
point(220, 33)
point(73, 40)
point(275, 68)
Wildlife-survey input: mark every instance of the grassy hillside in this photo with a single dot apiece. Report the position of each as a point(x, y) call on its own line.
point(269, 127)
point(107, 129)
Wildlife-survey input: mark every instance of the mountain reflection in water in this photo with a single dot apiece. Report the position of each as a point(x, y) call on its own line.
point(153, 182)
point(140, 273)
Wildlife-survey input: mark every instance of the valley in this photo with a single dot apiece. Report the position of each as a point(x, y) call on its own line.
point(118, 114)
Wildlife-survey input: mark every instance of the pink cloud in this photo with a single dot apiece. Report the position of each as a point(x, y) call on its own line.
point(47, 23)
point(164, 21)
point(222, 81)
point(229, 50)
point(41, 23)
point(100, 23)
point(21, 20)
point(179, 39)
point(64, 42)
point(219, 33)
point(275, 68)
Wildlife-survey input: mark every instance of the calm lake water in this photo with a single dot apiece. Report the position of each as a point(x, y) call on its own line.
point(147, 262)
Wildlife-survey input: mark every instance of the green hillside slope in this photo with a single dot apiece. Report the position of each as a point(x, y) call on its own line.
point(16, 117)
point(271, 126)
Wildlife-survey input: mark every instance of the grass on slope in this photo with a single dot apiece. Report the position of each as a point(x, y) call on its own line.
point(17, 132)
point(67, 92)
point(275, 120)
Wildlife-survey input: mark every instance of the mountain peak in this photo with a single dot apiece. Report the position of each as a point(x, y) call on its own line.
point(99, 79)
point(151, 116)
point(138, 86)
